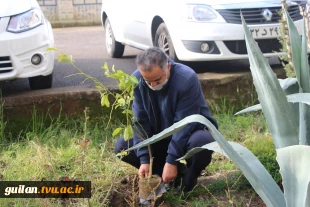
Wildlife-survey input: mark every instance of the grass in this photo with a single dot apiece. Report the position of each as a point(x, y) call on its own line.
point(50, 148)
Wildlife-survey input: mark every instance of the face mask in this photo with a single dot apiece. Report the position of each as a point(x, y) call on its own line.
point(159, 86)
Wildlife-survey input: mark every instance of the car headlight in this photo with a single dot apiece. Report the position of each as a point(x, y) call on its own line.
point(25, 21)
point(202, 13)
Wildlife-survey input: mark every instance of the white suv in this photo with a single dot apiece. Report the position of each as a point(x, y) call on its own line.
point(25, 35)
point(194, 30)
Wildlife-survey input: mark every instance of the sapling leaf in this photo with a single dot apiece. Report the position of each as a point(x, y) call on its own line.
point(128, 132)
point(105, 67)
point(105, 100)
point(65, 58)
point(127, 111)
point(133, 79)
point(117, 131)
point(183, 161)
point(121, 101)
point(51, 49)
point(122, 154)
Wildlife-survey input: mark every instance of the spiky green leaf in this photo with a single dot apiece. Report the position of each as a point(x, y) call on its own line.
point(277, 111)
point(256, 107)
point(292, 98)
point(294, 168)
point(304, 111)
point(274, 198)
point(287, 82)
point(251, 167)
point(295, 44)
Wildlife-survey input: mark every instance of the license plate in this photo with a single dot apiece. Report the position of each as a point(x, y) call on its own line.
point(263, 32)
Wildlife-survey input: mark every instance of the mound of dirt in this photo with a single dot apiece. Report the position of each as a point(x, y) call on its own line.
point(126, 191)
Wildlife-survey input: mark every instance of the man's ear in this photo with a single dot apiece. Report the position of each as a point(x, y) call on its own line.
point(169, 66)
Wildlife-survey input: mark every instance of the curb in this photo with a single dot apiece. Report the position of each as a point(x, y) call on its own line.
point(72, 100)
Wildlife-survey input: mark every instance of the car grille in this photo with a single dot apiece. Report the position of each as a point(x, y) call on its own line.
point(254, 15)
point(5, 64)
point(265, 45)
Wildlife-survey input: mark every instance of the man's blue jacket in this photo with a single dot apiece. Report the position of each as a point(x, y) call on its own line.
point(157, 110)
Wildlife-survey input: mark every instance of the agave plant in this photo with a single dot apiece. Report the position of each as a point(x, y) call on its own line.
point(290, 128)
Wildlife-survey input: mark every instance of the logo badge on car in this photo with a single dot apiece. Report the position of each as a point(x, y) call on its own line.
point(267, 14)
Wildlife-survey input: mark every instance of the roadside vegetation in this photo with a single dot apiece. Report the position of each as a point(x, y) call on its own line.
point(81, 148)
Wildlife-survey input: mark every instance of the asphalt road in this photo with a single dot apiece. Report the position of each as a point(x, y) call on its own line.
point(86, 45)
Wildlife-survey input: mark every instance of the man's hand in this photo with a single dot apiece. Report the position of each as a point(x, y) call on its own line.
point(170, 172)
point(144, 170)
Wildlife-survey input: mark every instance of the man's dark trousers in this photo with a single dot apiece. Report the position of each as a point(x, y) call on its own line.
point(194, 166)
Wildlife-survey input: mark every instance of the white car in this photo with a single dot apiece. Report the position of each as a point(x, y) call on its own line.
point(194, 30)
point(25, 35)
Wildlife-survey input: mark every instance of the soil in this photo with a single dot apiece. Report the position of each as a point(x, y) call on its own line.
point(125, 193)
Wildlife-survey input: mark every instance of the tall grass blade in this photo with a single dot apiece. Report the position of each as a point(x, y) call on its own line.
point(277, 111)
point(2, 122)
point(274, 197)
point(294, 168)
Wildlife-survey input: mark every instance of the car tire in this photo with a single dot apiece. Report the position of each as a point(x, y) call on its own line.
point(41, 82)
point(114, 49)
point(163, 41)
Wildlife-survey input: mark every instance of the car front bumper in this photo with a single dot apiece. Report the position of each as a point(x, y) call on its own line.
point(16, 50)
point(228, 40)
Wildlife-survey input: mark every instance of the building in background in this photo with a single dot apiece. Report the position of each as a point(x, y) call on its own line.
point(64, 13)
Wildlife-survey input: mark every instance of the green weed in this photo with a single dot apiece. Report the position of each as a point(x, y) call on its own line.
point(49, 148)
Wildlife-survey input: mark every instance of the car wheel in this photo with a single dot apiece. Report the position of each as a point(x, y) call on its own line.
point(115, 49)
point(41, 82)
point(163, 41)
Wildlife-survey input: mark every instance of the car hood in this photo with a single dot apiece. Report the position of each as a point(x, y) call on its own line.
point(12, 7)
point(230, 4)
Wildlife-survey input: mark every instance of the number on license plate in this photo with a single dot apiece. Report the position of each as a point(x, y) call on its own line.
point(265, 32)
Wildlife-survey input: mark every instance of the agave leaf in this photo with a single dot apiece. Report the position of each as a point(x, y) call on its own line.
point(304, 121)
point(278, 112)
point(299, 98)
point(304, 111)
point(251, 167)
point(256, 107)
point(274, 198)
point(287, 82)
point(284, 83)
point(295, 43)
point(294, 168)
point(305, 72)
point(292, 98)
